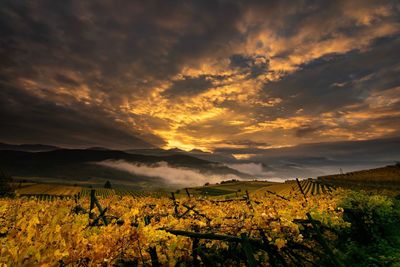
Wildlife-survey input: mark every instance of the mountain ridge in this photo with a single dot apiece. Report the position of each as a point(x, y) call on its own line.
point(79, 165)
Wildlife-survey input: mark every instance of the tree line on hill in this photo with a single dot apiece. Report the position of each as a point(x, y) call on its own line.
point(6, 188)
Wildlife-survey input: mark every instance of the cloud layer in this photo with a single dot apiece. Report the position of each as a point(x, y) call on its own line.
point(172, 176)
point(213, 75)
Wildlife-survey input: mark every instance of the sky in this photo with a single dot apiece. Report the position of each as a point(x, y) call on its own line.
point(238, 77)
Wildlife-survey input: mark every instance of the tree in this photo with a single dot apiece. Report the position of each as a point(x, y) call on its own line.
point(107, 184)
point(5, 185)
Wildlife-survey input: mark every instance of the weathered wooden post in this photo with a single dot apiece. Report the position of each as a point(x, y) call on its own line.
point(91, 207)
point(152, 250)
point(187, 192)
point(175, 204)
point(93, 202)
point(248, 250)
point(301, 189)
point(248, 201)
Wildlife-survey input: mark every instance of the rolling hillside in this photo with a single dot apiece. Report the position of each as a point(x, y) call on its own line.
point(78, 165)
point(384, 177)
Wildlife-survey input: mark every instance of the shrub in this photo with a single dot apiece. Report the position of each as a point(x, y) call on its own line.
point(374, 236)
point(107, 184)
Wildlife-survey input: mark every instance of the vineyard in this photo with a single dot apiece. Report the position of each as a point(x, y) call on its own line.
point(106, 192)
point(55, 191)
point(309, 187)
point(48, 191)
point(111, 227)
point(228, 190)
point(385, 177)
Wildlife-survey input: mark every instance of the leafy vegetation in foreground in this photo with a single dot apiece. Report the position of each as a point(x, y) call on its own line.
point(339, 227)
point(36, 232)
point(374, 236)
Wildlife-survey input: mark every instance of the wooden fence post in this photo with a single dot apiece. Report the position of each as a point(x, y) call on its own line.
point(92, 196)
point(248, 201)
point(195, 247)
point(93, 202)
point(175, 204)
point(152, 250)
point(187, 192)
point(248, 250)
point(301, 189)
point(154, 257)
point(102, 212)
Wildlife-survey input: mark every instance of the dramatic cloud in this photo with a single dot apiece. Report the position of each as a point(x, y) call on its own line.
point(189, 86)
point(229, 76)
point(254, 65)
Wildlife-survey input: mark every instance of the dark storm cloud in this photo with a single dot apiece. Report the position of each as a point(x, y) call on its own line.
point(375, 151)
point(66, 80)
point(335, 81)
point(118, 49)
point(307, 130)
point(368, 150)
point(152, 38)
point(188, 86)
point(25, 118)
point(246, 143)
point(253, 65)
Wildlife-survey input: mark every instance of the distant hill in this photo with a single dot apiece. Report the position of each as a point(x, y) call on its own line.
point(216, 157)
point(385, 177)
point(76, 165)
point(97, 148)
point(28, 147)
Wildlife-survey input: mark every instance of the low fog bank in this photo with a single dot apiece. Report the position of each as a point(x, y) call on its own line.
point(257, 170)
point(317, 159)
point(170, 175)
point(281, 171)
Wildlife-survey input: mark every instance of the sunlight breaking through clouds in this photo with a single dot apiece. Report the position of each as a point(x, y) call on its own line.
point(200, 74)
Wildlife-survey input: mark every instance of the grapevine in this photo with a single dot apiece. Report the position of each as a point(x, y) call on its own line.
point(37, 232)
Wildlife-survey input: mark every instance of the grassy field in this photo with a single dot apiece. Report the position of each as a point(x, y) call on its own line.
point(227, 188)
point(48, 189)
